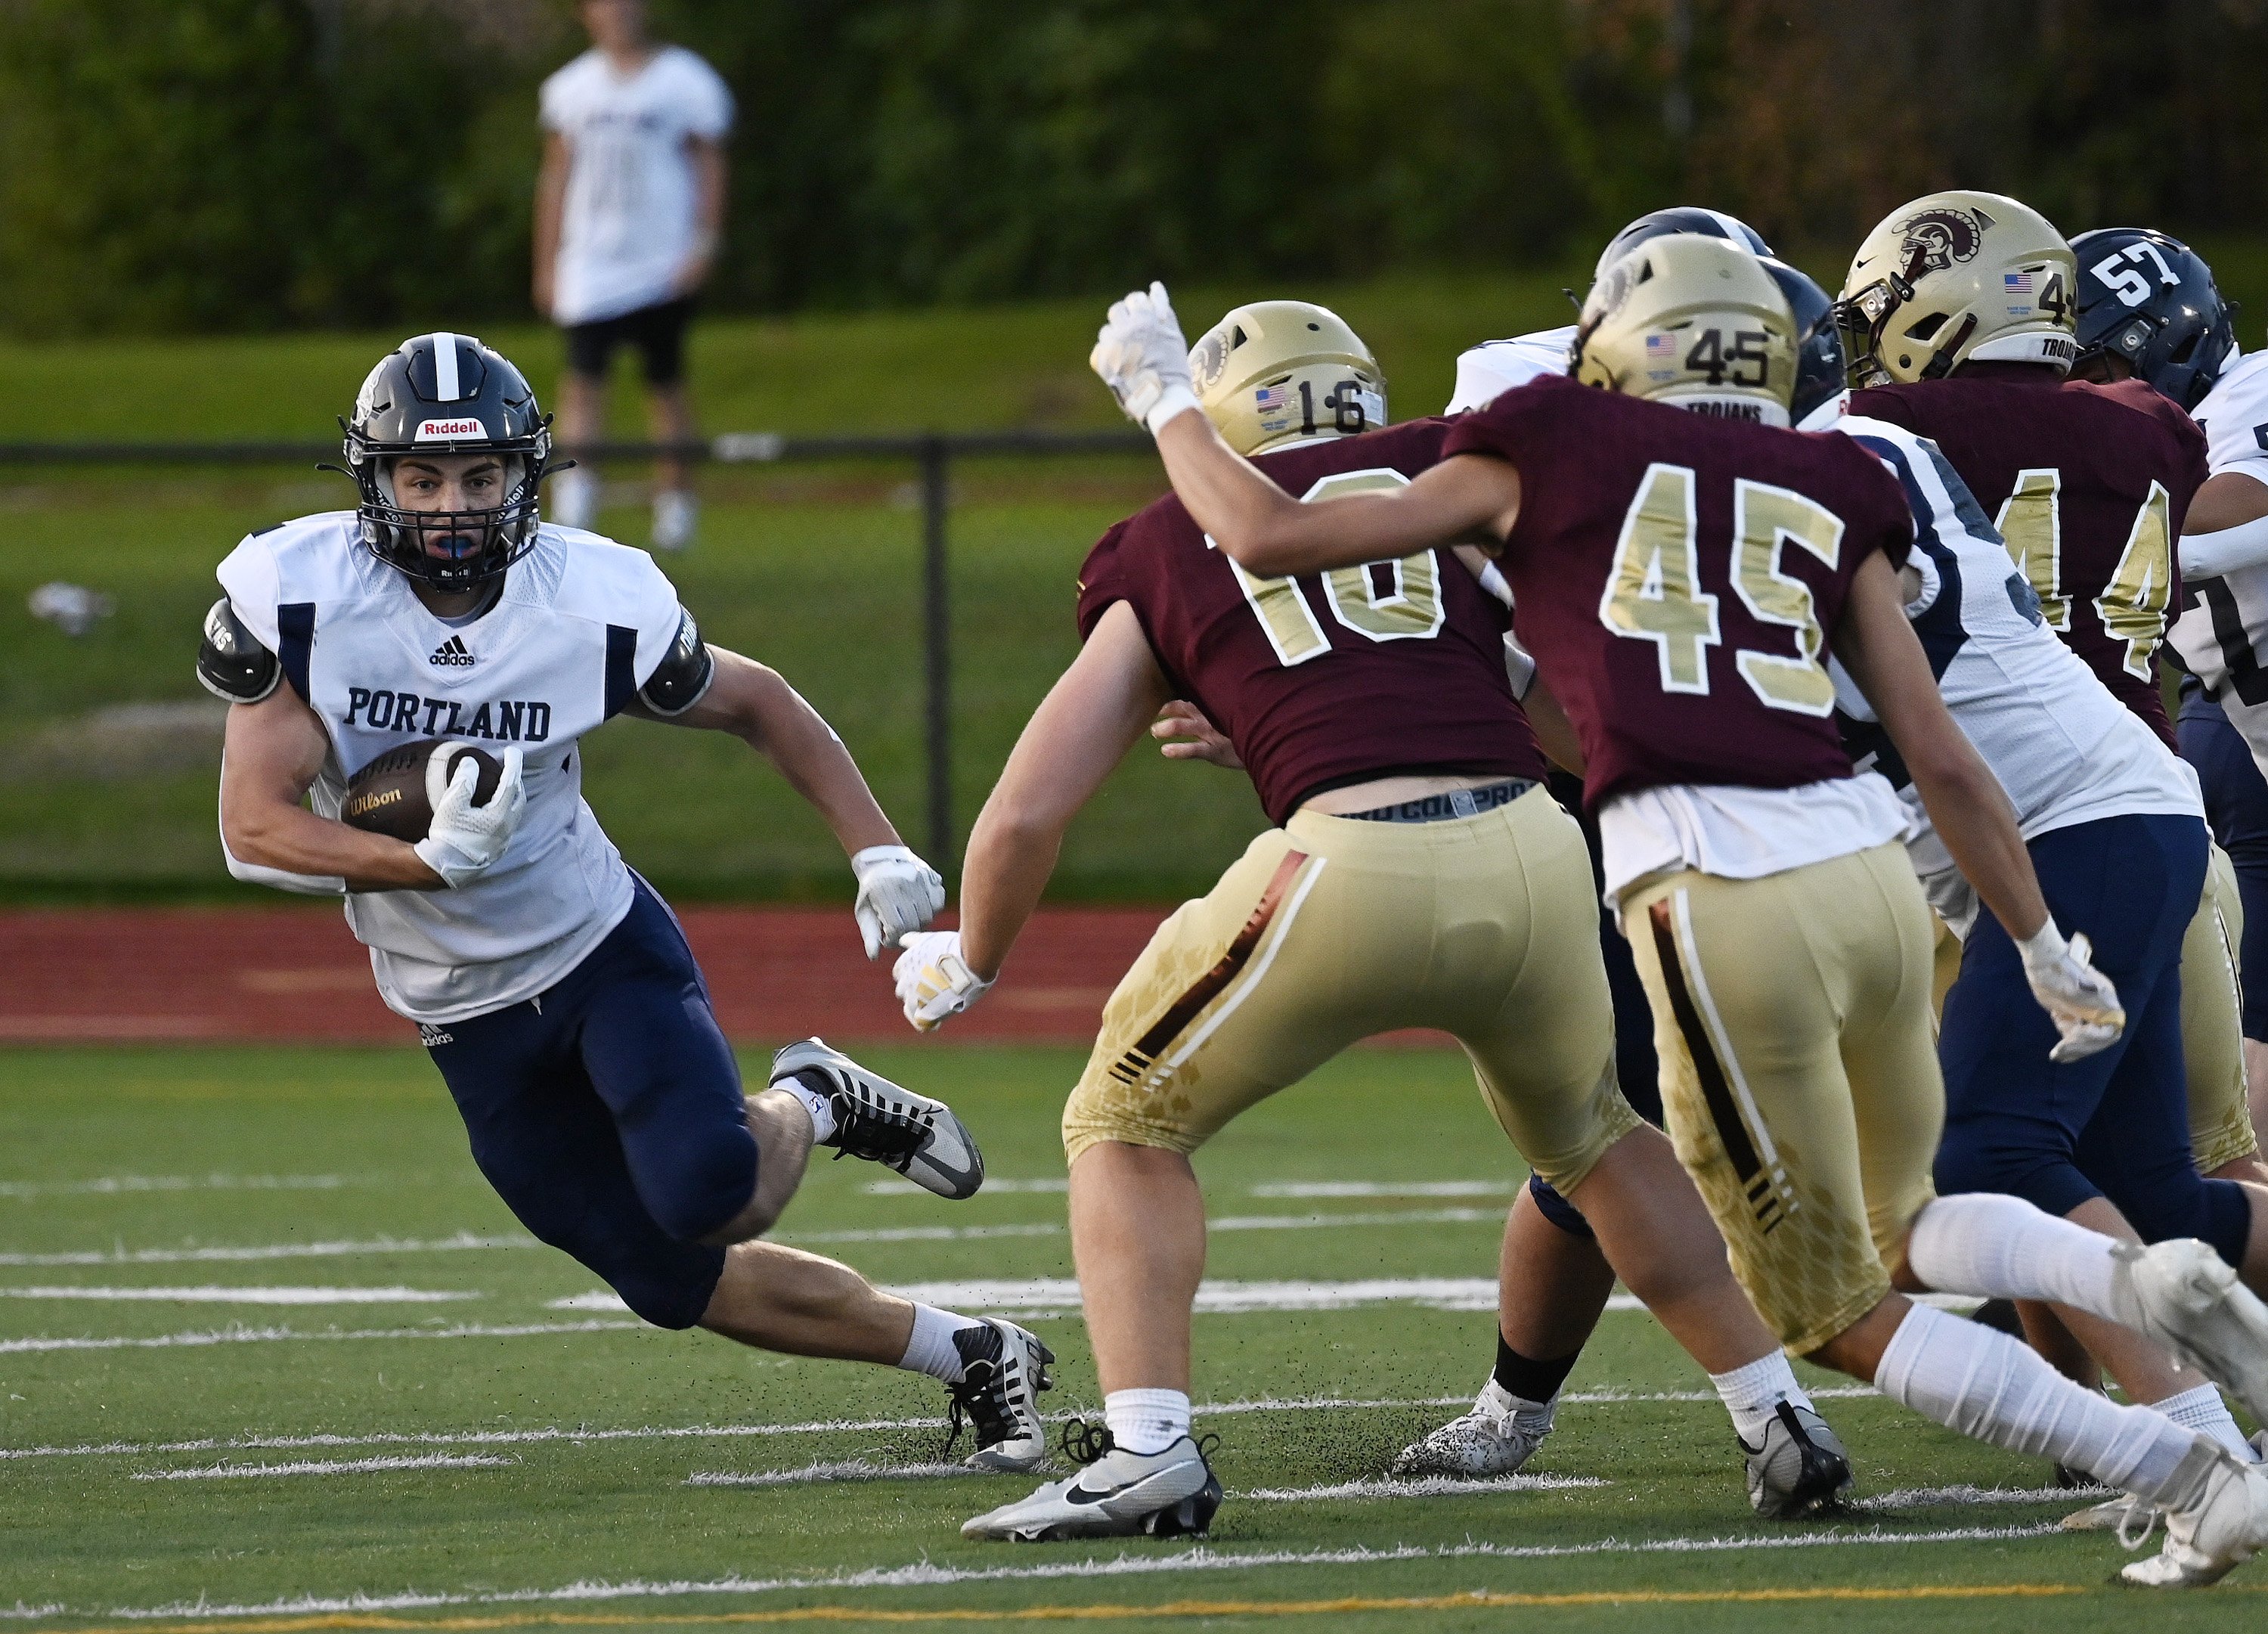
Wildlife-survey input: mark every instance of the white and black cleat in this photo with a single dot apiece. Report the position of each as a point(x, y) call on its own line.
point(884, 1123)
point(2227, 1527)
point(2194, 1305)
point(1117, 1494)
point(1004, 1369)
point(1494, 1439)
point(1798, 1468)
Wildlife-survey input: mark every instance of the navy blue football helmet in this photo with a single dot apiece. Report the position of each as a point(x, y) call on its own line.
point(2149, 299)
point(1710, 223)
point(1820, 374)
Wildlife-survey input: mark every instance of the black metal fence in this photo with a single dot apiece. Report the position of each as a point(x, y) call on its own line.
point(931, 453)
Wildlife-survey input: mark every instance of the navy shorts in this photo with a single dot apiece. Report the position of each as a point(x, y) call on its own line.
point(657, 333)
point(1635, 1064)
point(2237, 807)
point(608, 1114)
point(2116, 1124)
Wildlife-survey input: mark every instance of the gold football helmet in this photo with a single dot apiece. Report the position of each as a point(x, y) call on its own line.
point(1274, 371)
point(1691, 320)
point(1957, 277)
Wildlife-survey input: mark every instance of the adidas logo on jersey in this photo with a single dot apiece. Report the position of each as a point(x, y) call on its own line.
point(451, 654)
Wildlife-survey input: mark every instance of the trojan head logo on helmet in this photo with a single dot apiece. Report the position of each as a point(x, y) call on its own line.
point(447, 393)
point(1696, 322)
point(1275, 372)
point(2149, 301)
point(1953, 278)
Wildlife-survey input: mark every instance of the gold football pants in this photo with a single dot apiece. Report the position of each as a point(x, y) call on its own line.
point(2213, 1023)
point(1329, 930)
point(1799, 1072)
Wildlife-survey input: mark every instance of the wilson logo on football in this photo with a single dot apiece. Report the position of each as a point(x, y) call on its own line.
point(436, 431)
point(451, 654)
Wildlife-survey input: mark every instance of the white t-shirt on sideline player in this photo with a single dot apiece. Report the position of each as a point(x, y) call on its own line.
point(629, 224)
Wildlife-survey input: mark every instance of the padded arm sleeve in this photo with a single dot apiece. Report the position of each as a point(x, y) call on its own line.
point(2209, 555)
point(683, 677)
point(232, 665)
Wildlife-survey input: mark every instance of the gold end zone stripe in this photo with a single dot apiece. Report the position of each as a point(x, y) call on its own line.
point(1733, 1133)
point(1478, 1600)
point(1129, 1068)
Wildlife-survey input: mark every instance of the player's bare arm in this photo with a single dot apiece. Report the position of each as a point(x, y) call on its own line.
point(550, 200)
point(273, 752)
point(706, 155)
point(755, 704)
point(1096, 712)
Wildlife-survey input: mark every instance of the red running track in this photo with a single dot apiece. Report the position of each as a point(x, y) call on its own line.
point(119, 975)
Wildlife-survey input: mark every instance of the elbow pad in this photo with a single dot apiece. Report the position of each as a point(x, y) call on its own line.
point(2209, 555)
point(683, 677)
point(232, 665)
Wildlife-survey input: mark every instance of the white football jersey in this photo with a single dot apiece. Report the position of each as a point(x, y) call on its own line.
point(2223, 633)
point(2064, 747)
point(1487, 371)
point(580, 625)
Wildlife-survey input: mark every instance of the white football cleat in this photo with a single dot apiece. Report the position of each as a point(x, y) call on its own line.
point(1006, 1369)
point(1118, 1494)
point(1500, 1435)
point(2228, 1525)
point(884, 1123)
point(676, 513)
point(2194, 1305)
point(1799, 1468)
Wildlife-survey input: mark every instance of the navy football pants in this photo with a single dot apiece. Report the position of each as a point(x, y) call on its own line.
point(2116, 1124)
point(608, 1114)
point(1635, 1062)
point(2237, 807)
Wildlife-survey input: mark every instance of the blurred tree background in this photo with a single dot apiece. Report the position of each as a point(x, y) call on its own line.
point(170, 166)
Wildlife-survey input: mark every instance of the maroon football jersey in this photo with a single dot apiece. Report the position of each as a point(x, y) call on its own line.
point(1323, 679)
point(1678, 576)
point(2089, 484)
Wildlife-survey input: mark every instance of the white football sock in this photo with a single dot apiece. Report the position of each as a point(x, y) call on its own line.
point(2203, 1411)
point(930, 1348)
point(1751, 1392)
point(1147, 1421)
point(2000, 1247)
point(1986, 1385)
point(821, 1108)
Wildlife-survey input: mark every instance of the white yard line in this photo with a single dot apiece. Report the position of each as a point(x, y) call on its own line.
point(112, 1184)
point(461, 1242)
point(1202, 1558)
point(1386, 1188)
point(993, 1187)
point(845, 1469)
point(328, 1467)
point(1430, 1486)
point(1918, 1497)
point(276, 1335)
point(822, 1427)
point(210, 1294)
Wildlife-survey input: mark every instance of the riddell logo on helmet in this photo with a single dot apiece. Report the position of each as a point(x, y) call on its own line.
point(434, 430)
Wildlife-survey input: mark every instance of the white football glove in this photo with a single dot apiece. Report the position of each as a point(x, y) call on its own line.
point(898, 894)
point(1142, 357)
point(464, 840)
point(934, 981)
point(2080, 998)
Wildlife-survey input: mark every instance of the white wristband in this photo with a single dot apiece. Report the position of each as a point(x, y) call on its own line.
point(1175, 400)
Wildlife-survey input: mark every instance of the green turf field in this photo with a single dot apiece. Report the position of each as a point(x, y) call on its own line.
point(579, 1468)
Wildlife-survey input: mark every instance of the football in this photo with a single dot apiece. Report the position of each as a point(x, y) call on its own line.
point(394, 793)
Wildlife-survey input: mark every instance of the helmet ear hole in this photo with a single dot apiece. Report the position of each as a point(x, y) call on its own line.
point(1921, 332)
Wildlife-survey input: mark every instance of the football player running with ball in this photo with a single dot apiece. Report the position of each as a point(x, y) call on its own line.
point(1679, 568)
point(1419, 876)
point(552, 987)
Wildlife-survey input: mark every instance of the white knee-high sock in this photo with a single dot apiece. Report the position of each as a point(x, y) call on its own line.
point(2000, 1247)
point(2203, 1411)
point(1984, 1384)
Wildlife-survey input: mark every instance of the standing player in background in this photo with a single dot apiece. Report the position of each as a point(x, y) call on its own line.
point(552, 987)
point(629, 211)
point(1420, 877)
point(1679, 570)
